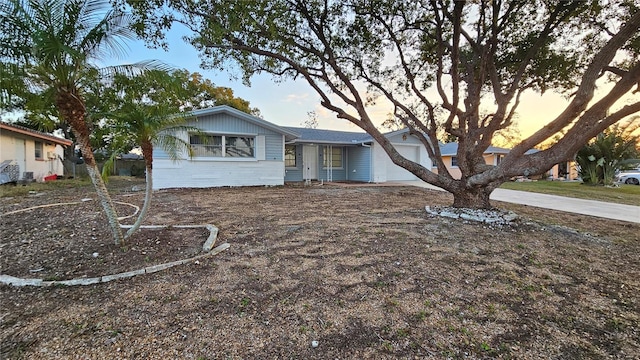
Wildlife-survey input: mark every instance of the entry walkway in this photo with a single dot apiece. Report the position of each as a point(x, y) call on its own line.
point(601, 209)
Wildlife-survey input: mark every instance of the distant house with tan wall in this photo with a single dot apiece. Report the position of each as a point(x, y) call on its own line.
point(493, 155)
point(27, 154)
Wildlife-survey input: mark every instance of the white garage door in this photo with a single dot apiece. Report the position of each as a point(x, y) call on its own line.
point(396, 173)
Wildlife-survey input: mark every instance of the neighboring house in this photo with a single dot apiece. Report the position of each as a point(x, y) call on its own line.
point(494, 155)
point(27, 154)
point(238, 149)
point(329, 155)
point(129, 164)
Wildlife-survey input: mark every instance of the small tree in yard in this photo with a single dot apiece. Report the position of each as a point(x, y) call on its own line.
point(46, 59)
point(605, 154)
point(148, 109)
point(456, 66)
point(139, 118)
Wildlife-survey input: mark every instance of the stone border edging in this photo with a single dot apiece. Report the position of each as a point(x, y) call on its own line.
point(207, 247)
point(74, 203)
point(15, 281)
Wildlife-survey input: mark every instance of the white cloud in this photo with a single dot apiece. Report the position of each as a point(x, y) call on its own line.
point(298, 99)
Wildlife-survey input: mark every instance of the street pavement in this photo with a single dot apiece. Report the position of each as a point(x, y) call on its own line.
point(601, 209)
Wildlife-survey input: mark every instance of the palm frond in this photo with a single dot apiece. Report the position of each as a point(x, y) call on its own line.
point(135, 69)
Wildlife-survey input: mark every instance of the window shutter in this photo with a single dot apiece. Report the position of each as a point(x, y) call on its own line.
point(260, 147)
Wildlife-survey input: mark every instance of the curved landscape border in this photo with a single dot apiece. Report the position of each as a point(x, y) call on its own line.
point(207, 248)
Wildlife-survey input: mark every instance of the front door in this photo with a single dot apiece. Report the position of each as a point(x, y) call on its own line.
point(310, 162)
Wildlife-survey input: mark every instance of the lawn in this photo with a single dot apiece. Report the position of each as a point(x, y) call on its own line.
point(317, 272)
point(625, 194)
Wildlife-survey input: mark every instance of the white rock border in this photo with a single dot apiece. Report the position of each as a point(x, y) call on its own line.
point(207, 248)
point(493, 216)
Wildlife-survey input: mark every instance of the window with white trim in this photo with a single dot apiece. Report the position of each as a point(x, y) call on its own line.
point(336, 157)
point(454, 161)
point(38, 150)
point(223, 146)
point(290, 156)
point(239, 146)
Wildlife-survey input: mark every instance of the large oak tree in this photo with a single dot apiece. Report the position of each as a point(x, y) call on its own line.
point(460, 67)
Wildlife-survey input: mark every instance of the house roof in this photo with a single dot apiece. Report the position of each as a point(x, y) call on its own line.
point(33, 133)
point(321, 136)
point(451, 149)
point(222, 109)
point(130, 156)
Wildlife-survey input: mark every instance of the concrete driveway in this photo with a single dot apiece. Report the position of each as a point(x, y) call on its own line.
point(579, 206)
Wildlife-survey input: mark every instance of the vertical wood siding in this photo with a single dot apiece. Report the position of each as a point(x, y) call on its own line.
point(226, 124)
point(266, 169)
point(359, 160)
point(293, 174)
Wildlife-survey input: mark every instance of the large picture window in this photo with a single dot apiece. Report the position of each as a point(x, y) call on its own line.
point(332, 156)
point(290, 158)
point(222, 146)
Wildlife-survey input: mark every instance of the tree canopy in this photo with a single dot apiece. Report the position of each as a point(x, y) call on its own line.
point(456, 66)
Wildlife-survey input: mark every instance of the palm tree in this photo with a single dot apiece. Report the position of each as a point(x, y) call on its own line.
point(147, 125)
point(145, 111)
point(48, 53)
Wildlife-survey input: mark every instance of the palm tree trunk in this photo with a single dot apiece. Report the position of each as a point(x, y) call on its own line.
point(101, 190)
point(71, 106)
point(145, 206)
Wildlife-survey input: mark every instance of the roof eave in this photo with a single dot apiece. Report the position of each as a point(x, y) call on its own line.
point(51, 138)
point(325, 142)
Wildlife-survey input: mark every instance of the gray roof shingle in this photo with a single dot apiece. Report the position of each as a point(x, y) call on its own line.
point(307, 135)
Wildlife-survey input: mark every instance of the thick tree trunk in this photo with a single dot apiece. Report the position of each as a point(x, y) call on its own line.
point(476, 198)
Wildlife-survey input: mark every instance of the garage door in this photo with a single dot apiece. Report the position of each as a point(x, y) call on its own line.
point(395, 172)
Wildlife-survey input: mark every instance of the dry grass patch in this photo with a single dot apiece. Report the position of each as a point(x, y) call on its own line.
point(362, 271)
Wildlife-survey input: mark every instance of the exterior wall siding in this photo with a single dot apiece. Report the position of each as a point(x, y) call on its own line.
point(293, 174)
point(202, 173)
point(266, 169)
point(226, 124)
point(408, 140)
point(359, 164)
point(353, 158)
point(21, 151)
point(337, 174)
point(379, 163)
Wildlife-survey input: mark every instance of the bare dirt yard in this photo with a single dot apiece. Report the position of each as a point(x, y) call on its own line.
point(317, 272)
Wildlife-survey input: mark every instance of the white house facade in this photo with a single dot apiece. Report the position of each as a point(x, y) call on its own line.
point(27, 154)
